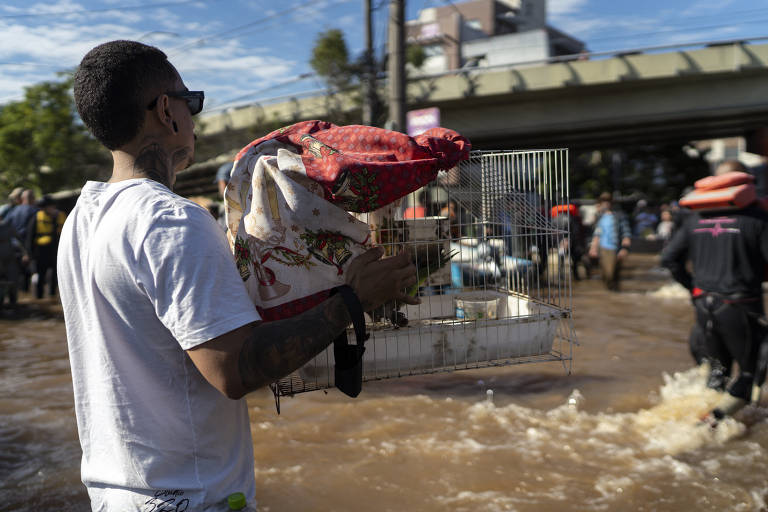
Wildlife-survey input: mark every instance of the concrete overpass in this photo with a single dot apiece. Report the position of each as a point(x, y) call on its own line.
point(631, 99)
point(667, 94)
point(662, 94)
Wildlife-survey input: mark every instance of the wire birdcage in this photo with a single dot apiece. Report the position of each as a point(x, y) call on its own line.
point(495, 283)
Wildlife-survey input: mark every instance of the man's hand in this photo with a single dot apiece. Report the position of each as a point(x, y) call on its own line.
point(253, 356)
point(377, 280)
point(593, 248)
point(623, 252)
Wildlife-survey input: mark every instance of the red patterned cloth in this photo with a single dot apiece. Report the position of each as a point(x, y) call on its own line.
point(362, 168)
point(290, 192)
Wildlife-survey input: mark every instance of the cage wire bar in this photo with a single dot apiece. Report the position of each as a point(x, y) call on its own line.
point(494, 272)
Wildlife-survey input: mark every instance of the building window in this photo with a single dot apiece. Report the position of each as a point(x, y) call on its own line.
point(433, 50)
point(528, 9)
point(474, 24)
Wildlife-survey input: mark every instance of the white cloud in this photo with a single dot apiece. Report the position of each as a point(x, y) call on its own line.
point(559, 8)
point(704, 7)
point(67, 11)
point(32, 53)
point(725, 32)
point(52, 7)
point(350, 20)
point(32, 50)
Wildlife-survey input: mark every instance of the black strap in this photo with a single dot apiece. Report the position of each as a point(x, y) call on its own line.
point(348, 371)
point(731, 298)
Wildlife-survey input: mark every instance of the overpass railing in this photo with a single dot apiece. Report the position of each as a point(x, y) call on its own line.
point(583, 56)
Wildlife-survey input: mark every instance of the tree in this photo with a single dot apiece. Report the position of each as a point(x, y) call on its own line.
point(330, 59)
point(44, 145)
point(656, 173)
point(415, 55)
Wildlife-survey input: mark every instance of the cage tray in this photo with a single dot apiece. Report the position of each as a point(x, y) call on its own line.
point(435, 340)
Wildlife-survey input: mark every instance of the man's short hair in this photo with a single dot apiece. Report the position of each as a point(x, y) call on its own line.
point(15, 194)
point(46, 201)
point(727, 166)
point(113, 86)
point(605, 197)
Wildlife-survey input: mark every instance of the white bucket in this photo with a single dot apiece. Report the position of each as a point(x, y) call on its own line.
point(476, 306)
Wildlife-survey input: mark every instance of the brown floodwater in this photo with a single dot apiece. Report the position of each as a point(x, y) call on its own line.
point(618, 433)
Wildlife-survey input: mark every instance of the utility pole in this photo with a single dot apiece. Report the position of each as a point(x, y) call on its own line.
point(369, 77)
point(396, 65)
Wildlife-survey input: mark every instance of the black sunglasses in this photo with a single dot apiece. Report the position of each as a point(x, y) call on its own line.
point(194, 100)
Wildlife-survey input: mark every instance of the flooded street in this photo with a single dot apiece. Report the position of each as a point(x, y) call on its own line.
point(618, 433)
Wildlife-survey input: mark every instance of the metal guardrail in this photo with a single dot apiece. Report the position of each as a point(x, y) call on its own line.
point(549, 60)
point(591, 55)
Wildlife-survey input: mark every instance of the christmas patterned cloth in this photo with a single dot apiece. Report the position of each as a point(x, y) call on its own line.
point(289, 194)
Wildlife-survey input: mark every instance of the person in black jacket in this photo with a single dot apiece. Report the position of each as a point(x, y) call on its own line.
point(729, 252)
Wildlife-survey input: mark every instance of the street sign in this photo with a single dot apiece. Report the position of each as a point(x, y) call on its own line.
point(422, 120)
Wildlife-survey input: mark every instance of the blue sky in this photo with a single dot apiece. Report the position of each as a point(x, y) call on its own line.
point(247, 48)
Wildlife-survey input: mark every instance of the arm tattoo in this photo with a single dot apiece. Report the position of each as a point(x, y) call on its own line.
point(153, 162)
point(276, 349)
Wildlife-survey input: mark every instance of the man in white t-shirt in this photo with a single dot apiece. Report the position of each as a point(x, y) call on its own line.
point(159, 367)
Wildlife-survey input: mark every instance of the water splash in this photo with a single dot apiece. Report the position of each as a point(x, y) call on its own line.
point(671, 291)
point(491, 454)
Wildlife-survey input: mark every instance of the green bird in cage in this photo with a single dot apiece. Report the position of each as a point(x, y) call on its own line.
point(426, 264)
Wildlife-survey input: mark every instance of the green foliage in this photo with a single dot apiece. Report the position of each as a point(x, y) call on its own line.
point(43, 145)
point(415, 55)
point(330, 58)
point(343, 78)
point(658, 173)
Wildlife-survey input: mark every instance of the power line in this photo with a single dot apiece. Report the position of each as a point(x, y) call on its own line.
point(452, 6)
point(37, 64)
point(226, 103)
point(381, 23)
point(701, 16)
point(305, 93)
point(105, 9)
point(627, 35)
point(227, 34)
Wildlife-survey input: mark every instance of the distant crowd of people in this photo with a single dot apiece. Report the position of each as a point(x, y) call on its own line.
point(29, 237)
point(656, 222)
point(604, 241)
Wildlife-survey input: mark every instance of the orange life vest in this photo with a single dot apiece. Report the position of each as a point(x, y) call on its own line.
point(570, 209)
point(730, 191)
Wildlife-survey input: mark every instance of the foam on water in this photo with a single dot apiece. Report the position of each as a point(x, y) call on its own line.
point(429, 453)
point(624, 451)
point(671, 291)
point(667, 428)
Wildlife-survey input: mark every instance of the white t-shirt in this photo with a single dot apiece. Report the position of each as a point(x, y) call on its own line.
point(144, 275)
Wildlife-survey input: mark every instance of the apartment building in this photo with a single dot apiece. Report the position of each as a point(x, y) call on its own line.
point(487, 33)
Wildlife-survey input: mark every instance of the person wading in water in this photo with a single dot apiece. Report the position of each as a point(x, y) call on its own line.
point(728, 250)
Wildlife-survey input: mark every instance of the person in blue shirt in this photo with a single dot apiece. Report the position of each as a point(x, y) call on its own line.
point(222, 176)
point(14, 199)
point(645, 220)
point(21, 218)
point(611, 241)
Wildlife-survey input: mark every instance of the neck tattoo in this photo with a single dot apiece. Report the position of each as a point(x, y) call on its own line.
point(180, 156)
point(154, 163)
